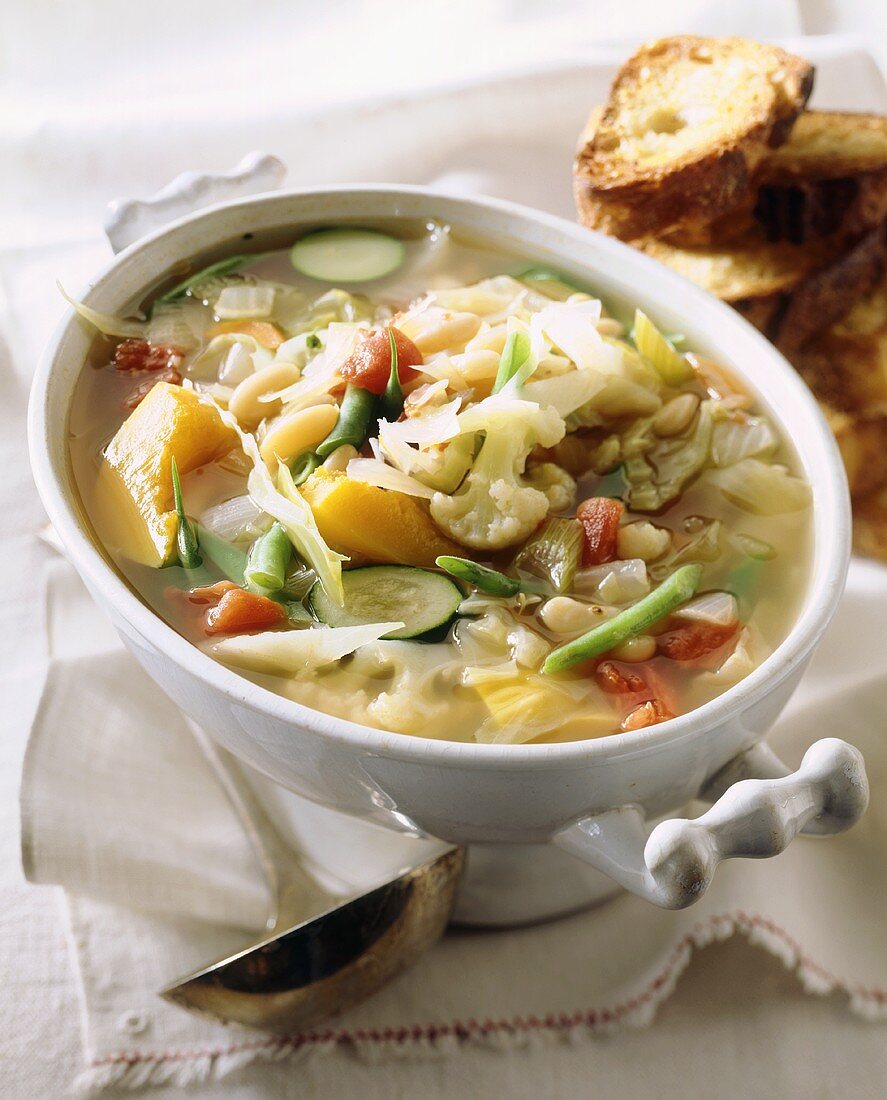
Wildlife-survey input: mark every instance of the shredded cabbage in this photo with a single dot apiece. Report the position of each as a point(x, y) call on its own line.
point(282, 652)
point(375, 472)
point(733, 440)
point(106, 323)
point(658, 469)
point(243, 302)
point(572, 327)
point(760, 487)
point(564, 393)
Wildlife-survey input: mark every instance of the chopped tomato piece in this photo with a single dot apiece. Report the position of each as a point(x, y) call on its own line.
point(239, 612)
point(649, 713)
point(600, 518)
point(263, 332)
point(369, 365)
point(211, 593)
point(694, 640)
point(136, 356)
point(616, 679)
point(138, 395)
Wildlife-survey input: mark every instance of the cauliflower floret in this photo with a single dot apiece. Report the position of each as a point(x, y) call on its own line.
point(495, 506)
point(557, 485)
point(410, 699)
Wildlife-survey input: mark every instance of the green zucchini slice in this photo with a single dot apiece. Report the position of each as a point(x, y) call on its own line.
point(347, 255)
point(390, 593)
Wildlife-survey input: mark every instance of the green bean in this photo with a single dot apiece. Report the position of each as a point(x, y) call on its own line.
point(227, 557)
point(514, 358)
point(634, 620)
point(186, 540)
point(353, 423)
point(304, 467)
point(487, 580)
point(391, 403)
point(268, 559)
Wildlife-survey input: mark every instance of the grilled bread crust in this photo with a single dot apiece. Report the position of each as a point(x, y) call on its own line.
point(687, 122)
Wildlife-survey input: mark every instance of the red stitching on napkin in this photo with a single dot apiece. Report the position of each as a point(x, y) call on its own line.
point(464, 1031)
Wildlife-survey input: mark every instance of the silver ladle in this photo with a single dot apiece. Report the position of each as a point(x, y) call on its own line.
point(303, 972)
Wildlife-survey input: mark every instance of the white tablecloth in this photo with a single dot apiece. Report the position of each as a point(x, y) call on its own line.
point(737, 1025)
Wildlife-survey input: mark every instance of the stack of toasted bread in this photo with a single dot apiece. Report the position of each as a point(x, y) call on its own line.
point(705, 157)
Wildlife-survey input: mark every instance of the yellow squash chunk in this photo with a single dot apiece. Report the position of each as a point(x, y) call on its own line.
point(379, 525)
point(135, 481)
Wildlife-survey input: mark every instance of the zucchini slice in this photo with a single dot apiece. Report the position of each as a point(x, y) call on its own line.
point(347, 255)
point(390, 593)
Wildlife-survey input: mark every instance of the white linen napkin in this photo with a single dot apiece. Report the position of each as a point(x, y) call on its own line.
point(122, 806)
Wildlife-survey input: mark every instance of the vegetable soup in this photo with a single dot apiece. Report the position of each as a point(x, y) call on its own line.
point(416, 482)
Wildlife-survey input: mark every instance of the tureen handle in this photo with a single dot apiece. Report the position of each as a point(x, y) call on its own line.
point(127, 220)
point(752, 817)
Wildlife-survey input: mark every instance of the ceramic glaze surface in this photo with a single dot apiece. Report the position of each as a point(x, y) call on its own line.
point(488, 794)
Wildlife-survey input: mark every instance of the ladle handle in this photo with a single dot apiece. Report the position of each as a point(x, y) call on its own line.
point(128, 220)
point(760, 809)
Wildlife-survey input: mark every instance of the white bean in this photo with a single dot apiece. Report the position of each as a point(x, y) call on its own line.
point(641, 648)
point(292, 435)
point(676, 414)
point(564, 615)
point(244, 402)
point(436, 330)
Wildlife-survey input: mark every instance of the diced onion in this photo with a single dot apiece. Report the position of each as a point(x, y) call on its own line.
point(236, 519)
point(229, 358)
point(717, 608)
point(616, 582)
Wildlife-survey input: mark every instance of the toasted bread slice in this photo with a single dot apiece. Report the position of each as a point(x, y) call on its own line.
point(687, 122)
point(830, 294)
point(862, 440)
point(763, 312)
point(846, 366)
point(829, 179)
point(870, 525)
point(837, 209)
point(749, 268)
point(827, 145)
